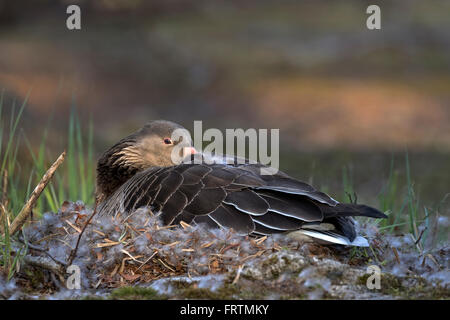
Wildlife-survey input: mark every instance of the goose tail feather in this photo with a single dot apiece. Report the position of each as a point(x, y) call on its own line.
point(330, 237)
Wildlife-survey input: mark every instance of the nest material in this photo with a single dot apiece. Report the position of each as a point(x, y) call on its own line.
point(115, 252)
point(138, 249)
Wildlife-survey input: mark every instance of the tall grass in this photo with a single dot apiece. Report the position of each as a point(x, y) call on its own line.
point(10, 169)
point(74, 180)
point(405, 211)
point(399, 199)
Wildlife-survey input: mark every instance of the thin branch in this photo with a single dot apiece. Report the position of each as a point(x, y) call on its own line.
point(26, 210)
point(73, 253)
point(40, 249)
point(420, 236)
point(44, 263)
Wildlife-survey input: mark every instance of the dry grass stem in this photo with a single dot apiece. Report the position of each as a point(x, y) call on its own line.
point(22, 217)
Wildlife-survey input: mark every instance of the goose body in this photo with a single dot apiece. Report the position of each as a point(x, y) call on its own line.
point(137, 172)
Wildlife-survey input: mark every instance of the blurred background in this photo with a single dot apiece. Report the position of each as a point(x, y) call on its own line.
point(350, 103)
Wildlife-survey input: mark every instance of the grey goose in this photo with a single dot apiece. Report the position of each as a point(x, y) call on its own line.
point(138, 171)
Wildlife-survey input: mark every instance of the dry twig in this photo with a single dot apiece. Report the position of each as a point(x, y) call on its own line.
point(44, 263)
point(73, 253)
point(18, 222)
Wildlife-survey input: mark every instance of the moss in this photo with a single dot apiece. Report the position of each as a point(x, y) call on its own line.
point(391, 284)
point(300, 296)
point(362, 280)
point(136, 293)
point(228, 291)
point(180, 284)
point(409, 287)
point(247, 294)
point(270, 261)
point(335, 275)
point(415, 288)
point(225, 292)
point(388, 282)
point(93, 297)
point(35, 276)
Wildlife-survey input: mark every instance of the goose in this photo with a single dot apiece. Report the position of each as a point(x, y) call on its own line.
point(138, 171)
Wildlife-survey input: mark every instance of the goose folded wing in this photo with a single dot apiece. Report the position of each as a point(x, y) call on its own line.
point(234, 197)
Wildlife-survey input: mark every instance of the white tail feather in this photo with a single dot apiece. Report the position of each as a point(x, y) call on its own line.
point(330, 237)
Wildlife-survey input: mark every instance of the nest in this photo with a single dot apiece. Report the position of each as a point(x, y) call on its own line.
point(136, 249)
point(119, 250)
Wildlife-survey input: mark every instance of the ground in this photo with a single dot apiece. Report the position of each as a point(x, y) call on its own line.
point(140, 259)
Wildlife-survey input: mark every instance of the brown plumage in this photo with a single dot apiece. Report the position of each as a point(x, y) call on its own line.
point(138, 171)
point(140, 150)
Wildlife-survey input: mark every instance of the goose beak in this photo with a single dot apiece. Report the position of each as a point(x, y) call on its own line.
point(187, 151)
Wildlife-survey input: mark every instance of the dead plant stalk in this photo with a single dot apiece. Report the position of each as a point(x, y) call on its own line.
point(22, 217)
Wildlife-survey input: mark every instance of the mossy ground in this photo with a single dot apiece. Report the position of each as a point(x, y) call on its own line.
point(409, 287)
point(285, 275)
point(136, 293)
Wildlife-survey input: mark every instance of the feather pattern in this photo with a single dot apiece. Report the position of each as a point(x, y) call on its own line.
point(235, 197)
point(135, 173)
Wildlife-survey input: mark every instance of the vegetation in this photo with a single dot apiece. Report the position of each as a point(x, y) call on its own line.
point(75, 181)
point(135, 293)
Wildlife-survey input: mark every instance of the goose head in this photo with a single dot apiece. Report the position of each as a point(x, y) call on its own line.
point(159, 143)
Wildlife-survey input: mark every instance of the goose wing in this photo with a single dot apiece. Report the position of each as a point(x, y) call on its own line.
point(237, 197)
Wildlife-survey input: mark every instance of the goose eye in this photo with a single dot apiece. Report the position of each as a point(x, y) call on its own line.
point(167, 141)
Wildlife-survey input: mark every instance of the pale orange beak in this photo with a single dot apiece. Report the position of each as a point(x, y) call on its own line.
point(189, 151)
